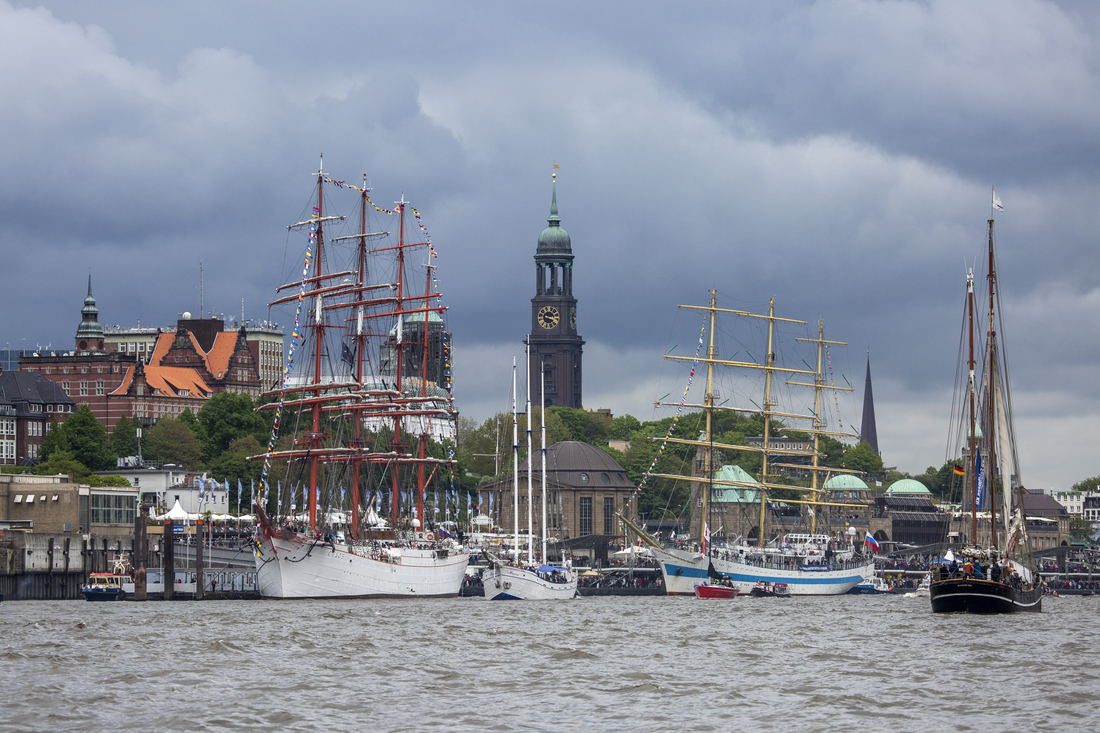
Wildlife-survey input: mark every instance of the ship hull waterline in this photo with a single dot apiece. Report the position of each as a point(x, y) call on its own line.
point(506, 583)
point(967, 595)
point(298, 567)
point(682, 574)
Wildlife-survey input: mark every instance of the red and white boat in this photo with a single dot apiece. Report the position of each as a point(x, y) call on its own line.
point(706, 590)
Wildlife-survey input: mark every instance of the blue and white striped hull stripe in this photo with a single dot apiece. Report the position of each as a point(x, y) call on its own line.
point(807, 578)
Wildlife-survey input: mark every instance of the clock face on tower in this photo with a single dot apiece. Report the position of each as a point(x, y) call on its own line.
point(573, 318)
point(548, 316)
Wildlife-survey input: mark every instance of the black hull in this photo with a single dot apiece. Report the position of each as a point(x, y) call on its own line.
point(964, 595)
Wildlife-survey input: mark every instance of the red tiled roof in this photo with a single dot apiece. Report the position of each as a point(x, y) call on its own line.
point(126, 379)
point(171, 380)
point(217, 360)
point(164, 343)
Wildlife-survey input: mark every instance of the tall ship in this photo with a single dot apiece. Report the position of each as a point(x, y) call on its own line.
point(363, 419)
point(994, 570)
point(808, 563)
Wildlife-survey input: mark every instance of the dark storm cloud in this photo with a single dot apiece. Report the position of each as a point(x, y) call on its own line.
point(837, 155)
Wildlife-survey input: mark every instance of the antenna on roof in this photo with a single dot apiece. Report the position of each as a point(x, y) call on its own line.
point(201, 291)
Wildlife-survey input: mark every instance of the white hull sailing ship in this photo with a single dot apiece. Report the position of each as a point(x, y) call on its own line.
point(527, 582)
point(363, 420)
point(808, 563)
point(1006, 577)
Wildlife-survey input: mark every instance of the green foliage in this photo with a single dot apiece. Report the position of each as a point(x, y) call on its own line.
point(1088, 484)
point(862, 457)
point(171, 440)
point(587, 426)
point(623, 427)
point(63, 462)
point(226, 417)
point(1079, 525)
point(124, 441)
point(83, 438)
point(110, 480)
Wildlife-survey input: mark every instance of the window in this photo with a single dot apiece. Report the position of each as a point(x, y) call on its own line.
point(130, 347)
point(49, 370)
point(49, 408)
point(64, 370)
point(586, 516)
point(65, 386)
point(83, 370)
point(99, 369)
point(117, 509)
point(83, 389)
point(99, 387)
point(141, 348)
point(18, 499)
point(584, 478)
point(608, 513)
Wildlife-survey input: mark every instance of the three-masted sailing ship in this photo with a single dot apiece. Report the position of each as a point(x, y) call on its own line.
point(366, 392)
point(810, 563)
point(533, 580)
point(1004, 577)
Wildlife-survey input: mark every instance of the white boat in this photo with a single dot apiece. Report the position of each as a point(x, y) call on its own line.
point(924, 588)
point(546, 582)
point(529, 582)
point(291, 565)
point(339, 547)
point(809, 564)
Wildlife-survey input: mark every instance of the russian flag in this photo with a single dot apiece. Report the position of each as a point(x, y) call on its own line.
point(871, 542)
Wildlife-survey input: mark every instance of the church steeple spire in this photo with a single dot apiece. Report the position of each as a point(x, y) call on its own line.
point(89, 334)
point(868, 432)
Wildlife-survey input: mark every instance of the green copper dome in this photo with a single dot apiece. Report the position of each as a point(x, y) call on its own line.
point(845, 481)
point(89, 327)
point(553, 237)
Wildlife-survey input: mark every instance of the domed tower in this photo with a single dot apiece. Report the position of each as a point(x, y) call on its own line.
point(555, 346)
point(89, 334)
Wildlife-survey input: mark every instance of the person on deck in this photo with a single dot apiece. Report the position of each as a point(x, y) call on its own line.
point(953, 569)
point(995, 573)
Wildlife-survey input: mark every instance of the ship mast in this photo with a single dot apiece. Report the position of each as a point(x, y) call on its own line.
point(542, 419)
point(318, 341)
point(708, 451)
point(818, 423)
point(972, 390)
point(399, 357)
point(515, 464)
point(991, 459)
point(530, 460)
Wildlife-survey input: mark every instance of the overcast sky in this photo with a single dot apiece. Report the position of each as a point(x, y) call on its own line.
point(837, 155)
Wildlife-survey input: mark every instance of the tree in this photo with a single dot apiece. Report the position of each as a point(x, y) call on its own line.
point(1079, 525)
point(1087, 485)
point(63, 462)
point(83, 438)
point(623, 427)
point(124, 441)
point(172, 441)
point(862, 457)
point(226, 417)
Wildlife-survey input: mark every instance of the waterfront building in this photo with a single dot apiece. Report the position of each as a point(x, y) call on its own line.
point(586, 488)
point(555, 345)
point(29, 405)
point(153, 373)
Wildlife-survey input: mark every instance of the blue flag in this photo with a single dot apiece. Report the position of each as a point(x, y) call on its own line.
point(202, 489)
point(980, 501)
point(240, 490)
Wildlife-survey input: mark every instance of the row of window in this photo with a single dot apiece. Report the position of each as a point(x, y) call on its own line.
point(116, 509)
point(7, 450)
point(7, 426)
point(19, 499)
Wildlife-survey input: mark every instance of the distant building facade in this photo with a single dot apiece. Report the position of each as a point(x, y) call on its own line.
point(153, 373)
point(29, 405)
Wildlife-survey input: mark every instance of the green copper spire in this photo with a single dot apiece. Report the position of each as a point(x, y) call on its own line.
point(553, 237)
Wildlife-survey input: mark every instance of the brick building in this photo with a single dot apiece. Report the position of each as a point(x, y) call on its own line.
point(152, 373)
point(29, 404)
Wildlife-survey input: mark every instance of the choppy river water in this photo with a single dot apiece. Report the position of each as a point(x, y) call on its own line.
point(882, 663)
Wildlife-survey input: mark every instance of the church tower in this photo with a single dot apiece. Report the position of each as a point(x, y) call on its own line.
point(89, 334)
point(868, 431)
point(555, 346)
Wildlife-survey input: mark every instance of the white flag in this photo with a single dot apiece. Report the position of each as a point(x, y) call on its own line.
point(997, 201)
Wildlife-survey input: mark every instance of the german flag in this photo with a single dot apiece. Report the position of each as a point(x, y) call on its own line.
point(959, 471)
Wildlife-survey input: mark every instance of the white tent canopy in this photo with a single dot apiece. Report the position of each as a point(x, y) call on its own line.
point(177, 513)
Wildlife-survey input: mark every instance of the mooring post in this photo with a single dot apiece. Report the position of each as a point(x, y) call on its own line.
point(200, 540)
point(141, 554)
point(169, 547)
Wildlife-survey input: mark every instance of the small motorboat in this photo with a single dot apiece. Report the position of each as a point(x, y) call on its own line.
point(104, 587)
point(764, 589)
point(871, 587)
point(715, 590)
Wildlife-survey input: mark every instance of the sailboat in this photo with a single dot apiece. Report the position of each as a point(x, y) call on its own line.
point(1005, 577)
point(811, 563)
point(531, 581)
point(364, 403)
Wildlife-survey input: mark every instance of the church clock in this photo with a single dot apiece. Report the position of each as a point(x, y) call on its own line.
point(555, 346)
